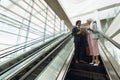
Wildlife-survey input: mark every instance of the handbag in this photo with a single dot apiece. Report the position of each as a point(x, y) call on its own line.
point(87, 50)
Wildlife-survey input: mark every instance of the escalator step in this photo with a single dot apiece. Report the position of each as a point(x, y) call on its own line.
point(88, 67)
point(84, 75)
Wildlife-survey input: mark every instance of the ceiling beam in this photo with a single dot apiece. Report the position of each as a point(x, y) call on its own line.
point(99, 9)
point(56, 7)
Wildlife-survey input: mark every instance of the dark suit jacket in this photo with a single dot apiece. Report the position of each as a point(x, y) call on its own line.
point(76, 36)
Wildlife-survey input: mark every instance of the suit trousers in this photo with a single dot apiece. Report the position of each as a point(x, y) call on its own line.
point(79, 51)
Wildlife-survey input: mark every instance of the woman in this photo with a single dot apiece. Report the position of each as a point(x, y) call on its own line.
point(92, 41)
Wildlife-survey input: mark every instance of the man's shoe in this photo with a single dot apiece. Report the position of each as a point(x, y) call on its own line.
point(76, 62)
point(82, 61)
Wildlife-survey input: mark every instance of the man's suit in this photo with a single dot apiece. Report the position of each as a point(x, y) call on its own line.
point(78, 40)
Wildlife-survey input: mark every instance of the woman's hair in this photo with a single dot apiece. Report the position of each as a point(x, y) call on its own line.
point(91, 20)
point(78, 21)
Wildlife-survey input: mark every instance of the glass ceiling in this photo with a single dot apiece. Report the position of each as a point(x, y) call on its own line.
point(77, 8)
point(80, 8)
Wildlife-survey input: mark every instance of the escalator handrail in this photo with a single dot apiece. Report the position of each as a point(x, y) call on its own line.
point(24, 43)
point(58, 73)
point(4, 54)
point(112, 73)
point(44, 45)
point(21, 46)
point(24, 64)
point(110, 39)
point(46, 57)
point(110, 60)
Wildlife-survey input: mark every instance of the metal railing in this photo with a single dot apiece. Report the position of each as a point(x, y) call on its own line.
point(22, 46)
point(30, 60)
point(111, 63)
point(110, 39)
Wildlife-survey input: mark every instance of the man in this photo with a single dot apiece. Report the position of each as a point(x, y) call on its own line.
point(78, 34)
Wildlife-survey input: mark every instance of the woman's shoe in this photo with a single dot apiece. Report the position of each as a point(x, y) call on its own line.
point(96, 64)
point(91, 63)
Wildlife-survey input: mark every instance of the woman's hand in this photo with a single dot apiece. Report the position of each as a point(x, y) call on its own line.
point(89, 29)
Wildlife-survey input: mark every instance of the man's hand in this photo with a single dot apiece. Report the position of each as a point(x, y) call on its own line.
point(82, 32)
point(79, 32)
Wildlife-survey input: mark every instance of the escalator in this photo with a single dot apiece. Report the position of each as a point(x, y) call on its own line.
point(29, 67)
point(108, 68)
point(55, 62)
point(85, 71)
point(35, 68)
point(17, 60)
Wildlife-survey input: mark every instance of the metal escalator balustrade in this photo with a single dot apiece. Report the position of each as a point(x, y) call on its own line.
point(29, 61)
point(109, 68)
point(41, 66)
point(20, 48)
point(16, 60)
point(110, 47)
point(10, 50)
point(111, 50)
point(56, 70)
point(16, 48)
